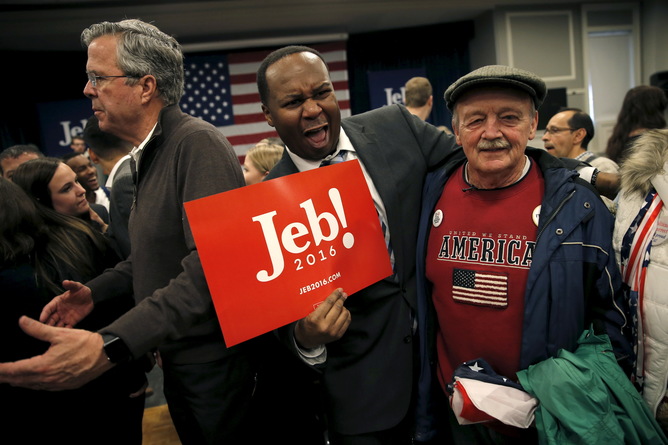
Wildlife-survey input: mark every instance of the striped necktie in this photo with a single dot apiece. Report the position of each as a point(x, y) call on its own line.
point(341, 156)
point(388, 241)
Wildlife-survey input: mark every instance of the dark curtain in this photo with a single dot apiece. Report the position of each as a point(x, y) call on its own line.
point(441, 49)
point(32, 77)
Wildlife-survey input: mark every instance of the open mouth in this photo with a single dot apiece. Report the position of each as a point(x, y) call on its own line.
point(317, 135)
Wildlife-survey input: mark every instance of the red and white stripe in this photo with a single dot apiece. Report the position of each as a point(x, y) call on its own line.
point(250, 125)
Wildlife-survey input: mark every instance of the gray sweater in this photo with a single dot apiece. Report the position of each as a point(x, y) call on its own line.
point(185, 159)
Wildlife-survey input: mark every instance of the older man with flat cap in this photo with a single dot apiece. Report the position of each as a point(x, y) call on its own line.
point(514, 254)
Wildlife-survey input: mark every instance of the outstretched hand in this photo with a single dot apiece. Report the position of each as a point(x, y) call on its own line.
point(74, 358)
point(327, 323)
point(69, 308)
point(95, 217)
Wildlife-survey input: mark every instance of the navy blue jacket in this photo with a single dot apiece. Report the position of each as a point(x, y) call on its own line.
point(573, 280)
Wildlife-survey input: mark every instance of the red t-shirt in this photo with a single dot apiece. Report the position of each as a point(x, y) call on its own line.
point(478, 257)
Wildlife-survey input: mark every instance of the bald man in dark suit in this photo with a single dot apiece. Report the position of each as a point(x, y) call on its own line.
point(368, 375)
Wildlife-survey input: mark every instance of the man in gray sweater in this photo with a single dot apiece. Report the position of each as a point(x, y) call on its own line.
point(135, 81)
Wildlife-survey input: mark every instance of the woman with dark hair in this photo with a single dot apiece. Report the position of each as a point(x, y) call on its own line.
point(54, 185)
point(39, 248)
point(643, 109)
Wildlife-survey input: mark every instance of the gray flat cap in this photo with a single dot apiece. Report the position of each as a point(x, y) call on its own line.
point(498, 75)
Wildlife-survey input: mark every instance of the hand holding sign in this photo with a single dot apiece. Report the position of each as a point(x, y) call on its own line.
point(273, 251)
point(328, 322)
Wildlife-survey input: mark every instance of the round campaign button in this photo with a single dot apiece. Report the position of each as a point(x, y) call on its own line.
point(438, 218)
point(535, 215)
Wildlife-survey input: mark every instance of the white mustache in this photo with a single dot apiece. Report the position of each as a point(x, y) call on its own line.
point(496, 143)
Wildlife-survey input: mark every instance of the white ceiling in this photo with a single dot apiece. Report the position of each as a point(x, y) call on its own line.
point(55, 25)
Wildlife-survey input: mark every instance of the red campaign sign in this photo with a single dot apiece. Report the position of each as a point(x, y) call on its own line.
point(273, 251)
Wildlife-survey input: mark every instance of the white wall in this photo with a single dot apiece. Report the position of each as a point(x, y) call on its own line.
point(654, 37)
point(550, 40)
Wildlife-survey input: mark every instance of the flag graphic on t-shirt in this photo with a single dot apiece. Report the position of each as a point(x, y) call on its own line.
point(480, 288)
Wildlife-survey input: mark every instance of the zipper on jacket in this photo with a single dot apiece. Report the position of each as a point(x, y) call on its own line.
point(555, 213)
point(552, 216)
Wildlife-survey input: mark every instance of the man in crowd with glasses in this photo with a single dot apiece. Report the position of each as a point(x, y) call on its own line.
point(135, 81)
point(568, 134)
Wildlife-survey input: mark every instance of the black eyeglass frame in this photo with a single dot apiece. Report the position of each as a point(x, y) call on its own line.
point(556, 130)
point(93, 78)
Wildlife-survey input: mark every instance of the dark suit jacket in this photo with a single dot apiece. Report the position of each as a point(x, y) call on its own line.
point(368, 376)
point(120, 203)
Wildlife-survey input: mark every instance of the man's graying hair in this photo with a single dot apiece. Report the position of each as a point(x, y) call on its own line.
point(143, 49)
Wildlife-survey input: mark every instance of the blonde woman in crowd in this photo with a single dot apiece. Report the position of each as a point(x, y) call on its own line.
point(261, 158)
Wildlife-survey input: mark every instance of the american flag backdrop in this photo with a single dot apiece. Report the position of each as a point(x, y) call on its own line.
point(221, 89)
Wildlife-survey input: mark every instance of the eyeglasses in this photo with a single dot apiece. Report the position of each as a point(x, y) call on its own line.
point(92, 78)
point(555, 130)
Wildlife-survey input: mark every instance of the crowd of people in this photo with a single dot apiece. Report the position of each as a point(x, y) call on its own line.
point(512, 267)
point(48, 236)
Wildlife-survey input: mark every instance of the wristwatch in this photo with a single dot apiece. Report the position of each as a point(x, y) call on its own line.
point(594, 177)
point(116, 349)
